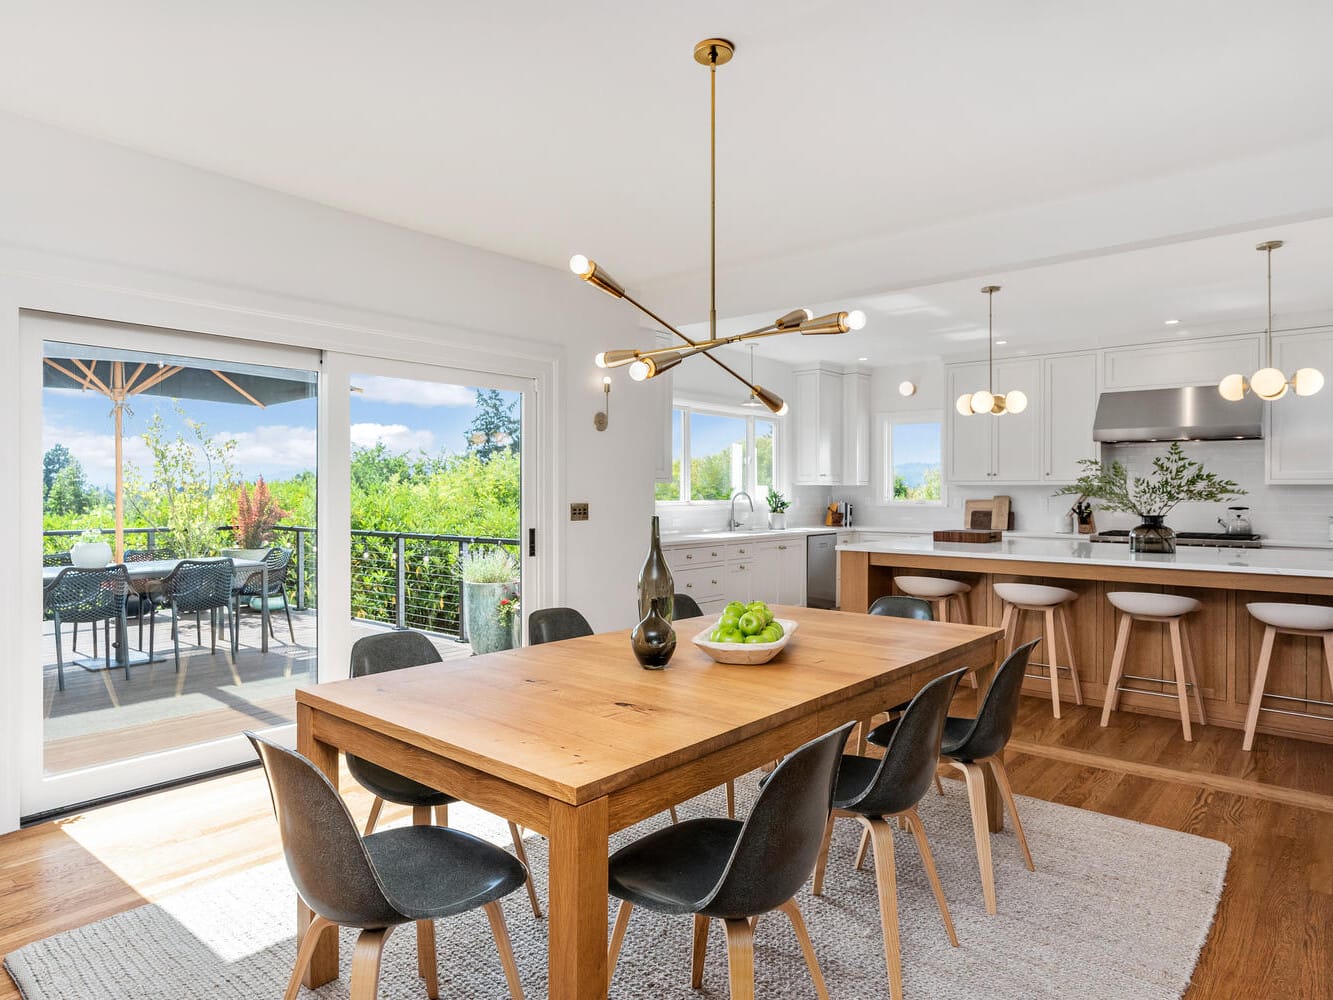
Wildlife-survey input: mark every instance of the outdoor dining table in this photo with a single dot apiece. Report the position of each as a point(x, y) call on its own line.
point(575, 741)
point(158, 569)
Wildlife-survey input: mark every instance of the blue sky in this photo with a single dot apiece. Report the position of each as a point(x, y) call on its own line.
point(709, 434)
point(275, 442)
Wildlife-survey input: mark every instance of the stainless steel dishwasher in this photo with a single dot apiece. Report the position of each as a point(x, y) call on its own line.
point(821, 570)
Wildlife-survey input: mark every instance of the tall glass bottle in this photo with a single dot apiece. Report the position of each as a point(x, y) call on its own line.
point(655, 580)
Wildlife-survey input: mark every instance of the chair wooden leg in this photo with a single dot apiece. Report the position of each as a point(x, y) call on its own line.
point(997, 768)
point(1257, 689)
point(1009, 629)
point(886, 881)
point(863, 849)
point(366, 963)
point(60, 659)
point(1178, 662)
point(501, 934)
point(674, 818)
point(822, 863)
point(426, 964)
point(1052, 659)
point(974, 778)
point(375, 808)
point(939, 786)
point(1117, 666)
point(731, 799)
point(928, 862)
point(1328, 656)
point(521, 853)
point(740, 958)
point(1062, 615)
point(309, 942)
point(699, 951)
point(807, 948)
point(1192, 675)
point(442, 814)
point(617, 938)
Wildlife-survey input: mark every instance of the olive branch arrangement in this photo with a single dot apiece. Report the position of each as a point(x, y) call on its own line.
point(1175, 479)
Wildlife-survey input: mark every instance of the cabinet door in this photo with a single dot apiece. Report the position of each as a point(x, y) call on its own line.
point(829, 465)
point(1069, 407)
point(1298, 445)
point(805, 422)
point(790, 572)
point(1018, 435)
point(856, 429)
point(740, 580)
point(764, 572)
point(971, 442)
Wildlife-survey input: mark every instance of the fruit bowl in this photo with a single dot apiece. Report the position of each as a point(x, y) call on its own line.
point(749, 653)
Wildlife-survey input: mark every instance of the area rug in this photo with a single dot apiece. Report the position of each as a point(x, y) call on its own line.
point(1114, 909)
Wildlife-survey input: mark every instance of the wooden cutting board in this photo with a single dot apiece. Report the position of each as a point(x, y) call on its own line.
point(964, 535)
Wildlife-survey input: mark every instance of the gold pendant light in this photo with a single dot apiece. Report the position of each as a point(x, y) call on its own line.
point(988, 400)
point(711, 52)
point(1270, 383)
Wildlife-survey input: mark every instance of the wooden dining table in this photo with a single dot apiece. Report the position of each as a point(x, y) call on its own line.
point(575, 741)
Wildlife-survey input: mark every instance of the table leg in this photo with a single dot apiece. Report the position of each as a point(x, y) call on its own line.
point(578, 837)
point(323, 966)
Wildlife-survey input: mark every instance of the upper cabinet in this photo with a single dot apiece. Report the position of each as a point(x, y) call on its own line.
point(818, 425)
point(1298, 445)
point(1179, 363)
point(1069, 402)
point(997, 450)
point(856, 429)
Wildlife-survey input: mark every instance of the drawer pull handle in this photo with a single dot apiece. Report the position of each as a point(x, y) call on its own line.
point(689, 555)
point(782, 548)
point(689, 586)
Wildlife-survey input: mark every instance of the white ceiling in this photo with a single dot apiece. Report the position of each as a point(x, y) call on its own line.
point(537, 129)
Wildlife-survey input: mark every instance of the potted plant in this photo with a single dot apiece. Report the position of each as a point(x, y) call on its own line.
point(91, 551)
point(257, 514)
point(777, 508)
point(490, 576)
point(1175, 479)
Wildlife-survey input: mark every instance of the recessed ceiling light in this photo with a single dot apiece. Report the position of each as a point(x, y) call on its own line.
point(1172, 322)
point(1001, 343)
point(862, 359)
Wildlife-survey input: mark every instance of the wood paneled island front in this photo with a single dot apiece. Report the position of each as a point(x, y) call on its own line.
point(1225, 639)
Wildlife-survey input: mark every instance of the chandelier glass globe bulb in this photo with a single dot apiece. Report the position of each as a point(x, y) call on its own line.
point(982, 401)
point(1016, 401)
point(1269, 383)
point(964, 404)
point(1308, 381)
point(1232, 388)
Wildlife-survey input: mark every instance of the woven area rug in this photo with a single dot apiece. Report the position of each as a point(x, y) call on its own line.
point(1114, 909)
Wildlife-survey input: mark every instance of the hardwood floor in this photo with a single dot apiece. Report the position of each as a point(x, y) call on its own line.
point(1269, 939)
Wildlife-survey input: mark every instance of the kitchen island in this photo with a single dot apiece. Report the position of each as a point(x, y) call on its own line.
point(1225, 640)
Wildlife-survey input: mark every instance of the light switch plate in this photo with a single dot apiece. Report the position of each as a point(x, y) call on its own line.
point(578, 512)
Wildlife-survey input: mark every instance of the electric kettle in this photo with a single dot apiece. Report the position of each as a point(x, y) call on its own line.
point(1238, 523)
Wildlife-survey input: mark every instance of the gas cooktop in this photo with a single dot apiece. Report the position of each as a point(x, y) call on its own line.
point(1191, 538)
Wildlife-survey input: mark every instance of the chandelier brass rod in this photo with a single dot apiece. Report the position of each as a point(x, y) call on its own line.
point(712, 193)
point(1269, 340)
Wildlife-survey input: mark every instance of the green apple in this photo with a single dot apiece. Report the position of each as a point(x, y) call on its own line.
point(732, 635)
point(770, 635)
point(729, 619)
point(756, 638)
point(734, 607)
point(752, 623)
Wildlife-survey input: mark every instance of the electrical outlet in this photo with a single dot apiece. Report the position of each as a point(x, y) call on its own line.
point(578, 512)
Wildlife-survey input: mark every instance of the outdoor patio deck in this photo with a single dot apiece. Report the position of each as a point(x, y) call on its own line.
point(101, 717)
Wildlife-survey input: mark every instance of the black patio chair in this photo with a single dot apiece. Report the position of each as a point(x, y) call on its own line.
point(193, 587)
point(684, 606)
point(735, 871)
point(556, 625)
point(877, 790)
point(377, 654)
point(87, 595)
point(413, 874)
point(278, 561)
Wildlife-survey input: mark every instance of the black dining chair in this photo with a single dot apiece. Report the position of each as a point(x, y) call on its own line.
point(684, 606)
point(87, 595)
point(556, 625)
point(413, 874)
point(193, 587)
point(876, 790)
point(735, 871)
point(377, 654)
point(902, 607)
point(251, 589)
point(973, 745)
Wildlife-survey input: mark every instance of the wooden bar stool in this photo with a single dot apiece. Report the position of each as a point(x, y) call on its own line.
point(1169, 610)
point(1050, 603)
point(939, 591)
point(1314, 621)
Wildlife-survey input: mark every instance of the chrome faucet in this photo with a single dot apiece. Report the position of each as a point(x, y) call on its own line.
point(732, 523)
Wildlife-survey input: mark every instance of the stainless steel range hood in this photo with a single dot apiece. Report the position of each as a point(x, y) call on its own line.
point(1194, 413)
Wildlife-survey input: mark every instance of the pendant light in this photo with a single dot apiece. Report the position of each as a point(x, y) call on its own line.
point(1270, 383)
point(988, 400)
point(712, 53)
point(752, 401)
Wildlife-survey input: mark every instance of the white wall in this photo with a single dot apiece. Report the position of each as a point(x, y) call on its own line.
point(118, 227)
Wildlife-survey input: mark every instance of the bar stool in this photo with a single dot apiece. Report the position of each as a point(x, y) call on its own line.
point(1169, 610)
point(1050, 603)
point(1314, 621)
point(939, 591)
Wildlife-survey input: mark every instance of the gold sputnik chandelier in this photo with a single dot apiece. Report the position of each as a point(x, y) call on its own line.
point(988, 400)
point(711, 52)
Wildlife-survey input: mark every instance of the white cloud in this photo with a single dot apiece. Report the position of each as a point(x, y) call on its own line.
point(415, 392)
point(96, 451)
point(398, 438)
point(274, 447)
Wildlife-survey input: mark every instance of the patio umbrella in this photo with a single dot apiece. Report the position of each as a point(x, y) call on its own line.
point(122, 375)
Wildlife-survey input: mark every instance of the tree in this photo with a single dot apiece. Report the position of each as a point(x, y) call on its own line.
point(495, 427)
point(57, 457)
point(69, 492)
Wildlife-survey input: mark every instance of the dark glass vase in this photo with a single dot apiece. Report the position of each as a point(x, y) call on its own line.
point(655, 580)
point(653, 639)
point(1152, 535)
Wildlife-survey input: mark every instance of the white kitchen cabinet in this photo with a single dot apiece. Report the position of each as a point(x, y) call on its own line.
point(818, 420)
point(1069, 408)
point(856, 429)
point(1298, 445)
point(1179, 363)
point(999, 450)
point(791, 571)
point(769, 569)
point(970, 441)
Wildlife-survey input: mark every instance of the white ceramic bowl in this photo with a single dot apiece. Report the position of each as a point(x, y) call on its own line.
point(743, 652)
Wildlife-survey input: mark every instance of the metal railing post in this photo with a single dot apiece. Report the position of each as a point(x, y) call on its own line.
point(402, 581)
point(300, 569)
point(463, 549)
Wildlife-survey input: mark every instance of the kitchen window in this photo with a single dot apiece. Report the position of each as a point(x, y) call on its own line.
point(912, 449)
point(715, 452)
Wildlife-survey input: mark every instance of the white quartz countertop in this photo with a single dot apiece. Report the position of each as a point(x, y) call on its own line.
point(690, 537)
point(1317, 562)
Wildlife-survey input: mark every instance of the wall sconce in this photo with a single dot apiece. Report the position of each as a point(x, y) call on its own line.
point(600, 420)
point(907, 388)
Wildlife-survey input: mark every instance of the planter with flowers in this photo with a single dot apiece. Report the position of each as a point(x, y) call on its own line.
point(777, 510)
point(490, 600)
point(91, 551)
point(257, 514)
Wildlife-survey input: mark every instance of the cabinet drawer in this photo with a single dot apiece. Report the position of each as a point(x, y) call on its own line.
point(680, 557)
point(703, 583)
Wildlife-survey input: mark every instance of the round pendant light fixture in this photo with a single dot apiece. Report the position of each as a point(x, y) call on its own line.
point(1270, 383)
point(988, 400)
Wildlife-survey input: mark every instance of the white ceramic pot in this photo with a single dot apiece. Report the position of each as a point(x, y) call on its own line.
point(778, 522)
point(90, 555)
point(256, 555)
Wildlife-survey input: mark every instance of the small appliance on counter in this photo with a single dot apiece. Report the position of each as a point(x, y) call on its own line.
point(1197, 538)
point(838, 514)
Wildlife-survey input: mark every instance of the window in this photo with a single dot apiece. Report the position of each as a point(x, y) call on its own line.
point(913, 464)
point(715, 453)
